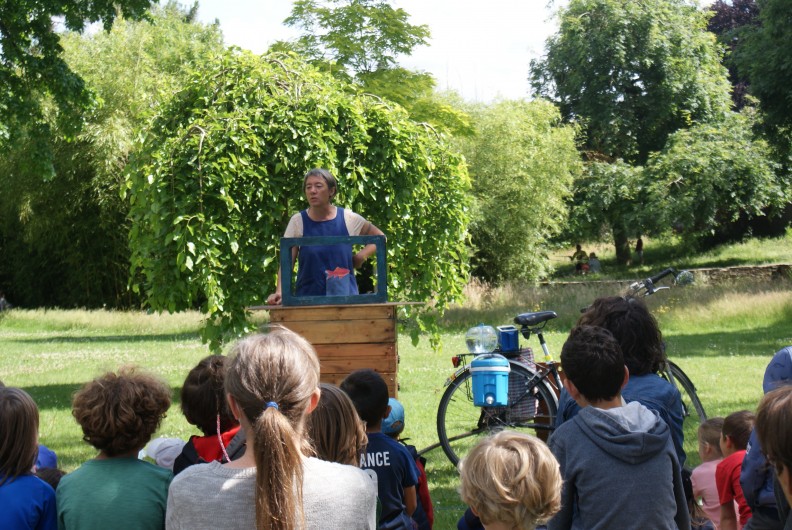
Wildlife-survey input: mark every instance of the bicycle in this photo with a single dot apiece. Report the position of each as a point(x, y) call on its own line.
point(533, 388)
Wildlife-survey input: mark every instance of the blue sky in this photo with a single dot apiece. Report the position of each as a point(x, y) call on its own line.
point(479, 48)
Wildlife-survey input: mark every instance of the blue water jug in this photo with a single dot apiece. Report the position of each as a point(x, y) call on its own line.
point(490, 373)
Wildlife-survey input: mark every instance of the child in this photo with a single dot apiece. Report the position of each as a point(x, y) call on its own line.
point(118, 413)
point(204, 404)
point(27, 502)
point(641, 343)
point(617, 459)
point(335, 430)
point(272, 384)
point(774, 431)
point(395, 468)
point(734, 438)
point(756, 476)
point(703, 476)
point(511, 480)
point(393, 426)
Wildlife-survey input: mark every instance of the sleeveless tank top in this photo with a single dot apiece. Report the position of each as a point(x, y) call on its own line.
point(325, 269)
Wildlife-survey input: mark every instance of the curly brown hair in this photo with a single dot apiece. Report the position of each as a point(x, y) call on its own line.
point(119, 412)
point(635, 329)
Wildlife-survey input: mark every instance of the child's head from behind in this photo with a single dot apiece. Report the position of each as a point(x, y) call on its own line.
point(635, 329)
point(709, 434)
point(119, 412)
point(736, 430)
point(19, 421)
point(592, 360)
point(511, 478)
point(203, 396)
point(335, 429)
point(774, 430)
point(369, 392)
point(273, 383)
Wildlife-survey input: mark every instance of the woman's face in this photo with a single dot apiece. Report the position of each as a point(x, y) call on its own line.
point(316, 191)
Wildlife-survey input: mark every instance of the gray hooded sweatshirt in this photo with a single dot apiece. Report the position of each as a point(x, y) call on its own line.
point(620, 471)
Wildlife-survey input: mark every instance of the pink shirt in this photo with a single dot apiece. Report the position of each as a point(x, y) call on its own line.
point(704, 488)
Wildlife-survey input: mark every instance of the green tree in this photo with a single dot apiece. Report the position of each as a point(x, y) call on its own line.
point(219, 173)
point(631, 72)
point(712, 175)
point(522, 161)
point(765, 57)
point(360, 41)
point(32, 64)
point(65, 234)
point(609, 200)
point(358, 36)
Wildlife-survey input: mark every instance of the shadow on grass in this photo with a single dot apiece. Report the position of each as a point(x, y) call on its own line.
point(59, 396)
point(70, 339)
point(758, 342)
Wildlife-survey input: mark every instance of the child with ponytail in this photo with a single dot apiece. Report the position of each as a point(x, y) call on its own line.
point(272, 385)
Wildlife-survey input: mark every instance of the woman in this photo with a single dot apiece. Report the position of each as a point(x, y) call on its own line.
point(325, 269)
point(272, 385)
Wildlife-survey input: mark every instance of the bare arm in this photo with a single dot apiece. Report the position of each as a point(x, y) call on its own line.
point(410, 500)
point(728, 517)
point(364, 253)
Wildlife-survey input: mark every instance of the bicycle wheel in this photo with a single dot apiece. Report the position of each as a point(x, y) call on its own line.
point(693, 413)
point(532, 409)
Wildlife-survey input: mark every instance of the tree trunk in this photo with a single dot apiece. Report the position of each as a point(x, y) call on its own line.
point(622, 245)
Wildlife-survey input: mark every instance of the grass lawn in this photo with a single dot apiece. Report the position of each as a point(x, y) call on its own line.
point(722, 338)
point(658, 253)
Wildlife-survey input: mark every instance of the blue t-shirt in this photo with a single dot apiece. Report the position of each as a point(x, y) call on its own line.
point(27, 502)
point(395, 471)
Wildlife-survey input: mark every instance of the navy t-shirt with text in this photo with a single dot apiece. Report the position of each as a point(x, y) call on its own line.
point(395, 471)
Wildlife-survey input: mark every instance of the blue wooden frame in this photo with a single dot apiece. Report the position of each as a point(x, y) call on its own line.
point(287, 268)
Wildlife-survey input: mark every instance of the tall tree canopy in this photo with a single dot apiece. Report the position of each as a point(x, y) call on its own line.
point(64, 233)
point(31, 60)
point(522, 161)
point(359, 36)
point(220, 171)
point(361, 41)
point(730, 21)
point(766, 56)
point(632, 72)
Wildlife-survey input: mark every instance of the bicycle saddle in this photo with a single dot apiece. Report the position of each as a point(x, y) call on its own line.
point(535, 318)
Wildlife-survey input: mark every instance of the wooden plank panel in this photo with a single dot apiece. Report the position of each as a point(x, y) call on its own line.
point(334, 312)
point(365, 350)
point(390, 379)
point(342, 332)
point(335, 365)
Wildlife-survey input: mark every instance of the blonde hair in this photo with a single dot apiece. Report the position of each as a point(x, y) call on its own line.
point(335, 429)
point(272, 378)
point(19, 422)
point(511, 478)
point(709, 433)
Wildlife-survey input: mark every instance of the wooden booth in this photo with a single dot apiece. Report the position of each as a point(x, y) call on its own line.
point(347, 338)
point(348, 332)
